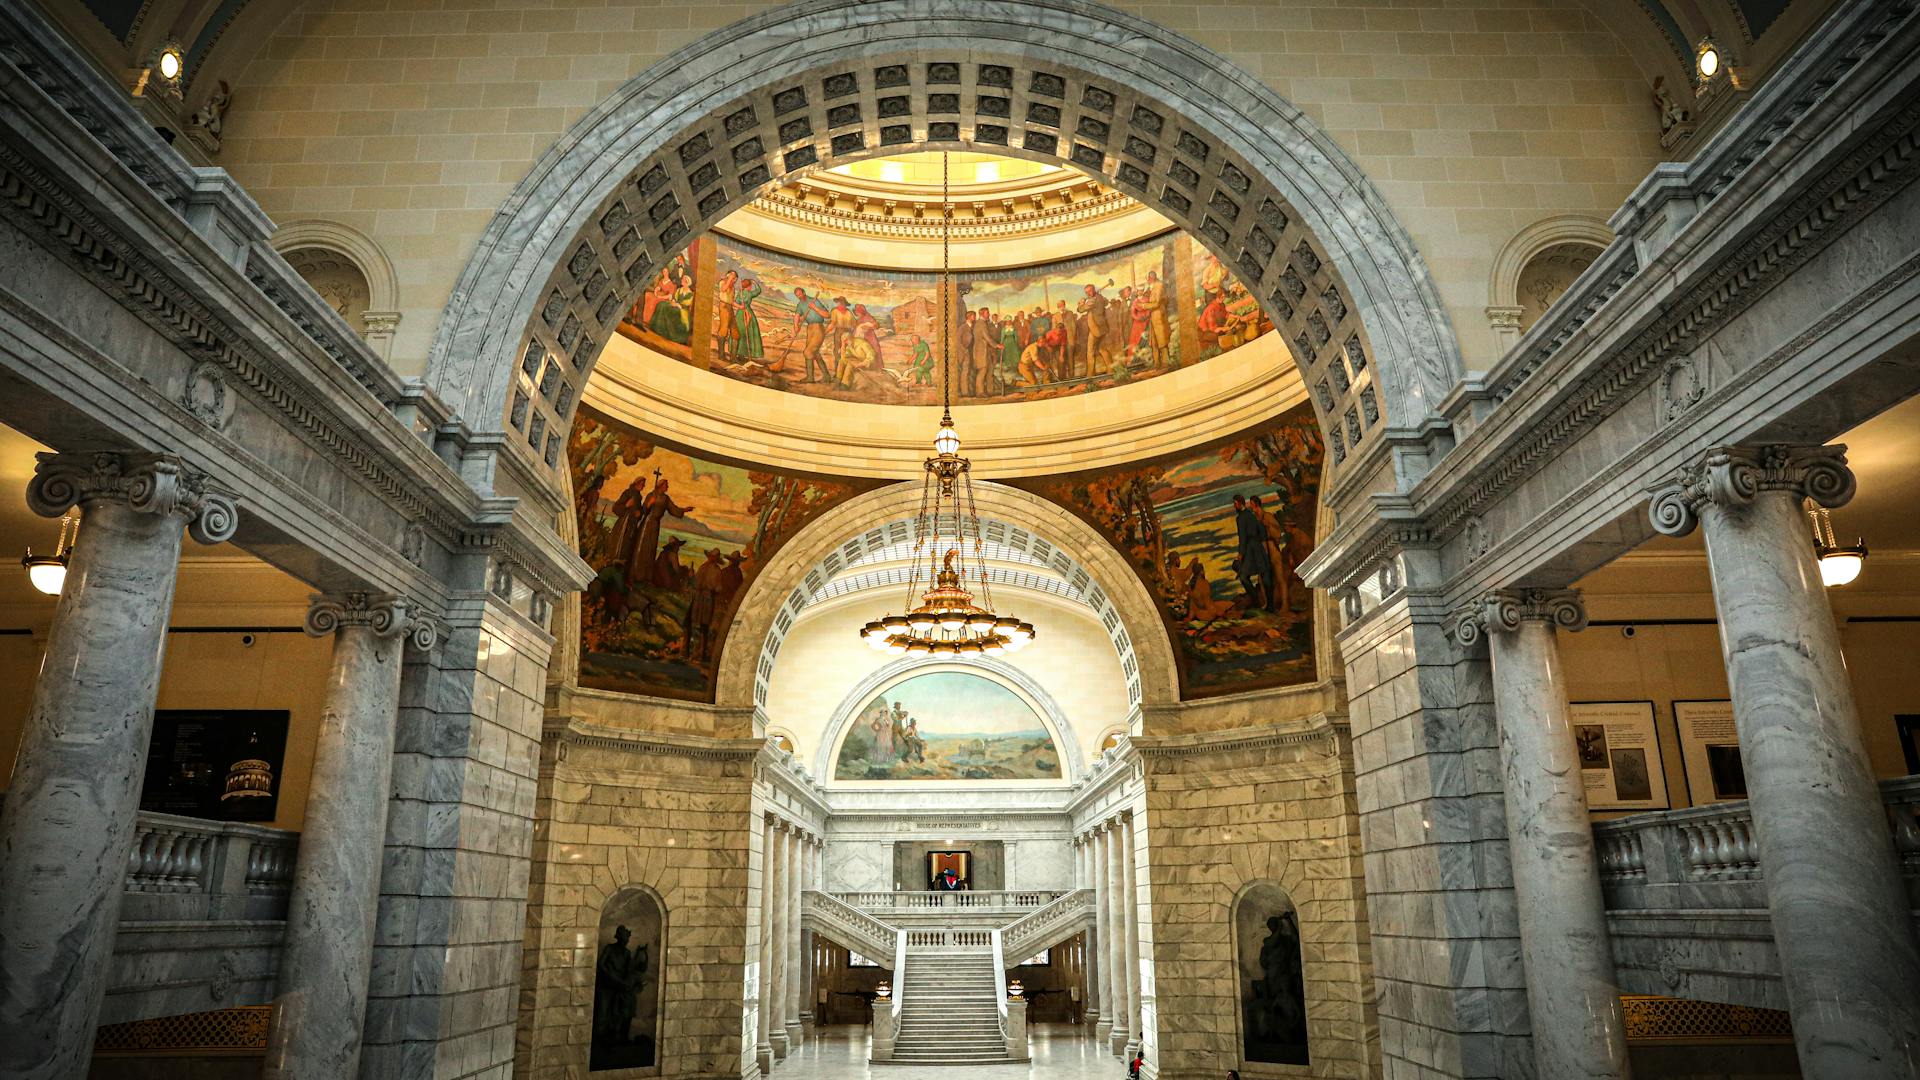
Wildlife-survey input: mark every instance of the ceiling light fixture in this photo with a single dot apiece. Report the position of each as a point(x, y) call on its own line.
point(1838, 565)
point(954, 615)
point(1706, 60)
point(48, 573)
point(170, 63)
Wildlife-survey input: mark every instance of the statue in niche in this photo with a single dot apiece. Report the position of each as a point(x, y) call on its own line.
point(626, 988)
point(1272, 984)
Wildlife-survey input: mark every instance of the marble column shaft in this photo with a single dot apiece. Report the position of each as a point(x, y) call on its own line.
point(1579, 1031)
point(1834, 891)
point(1102, 932)
point(70, 816)
point(763, 1048)
point(1130, 904)
point(320, 1002)
point(797, 862)
point(777, 934)
point(1116, 942)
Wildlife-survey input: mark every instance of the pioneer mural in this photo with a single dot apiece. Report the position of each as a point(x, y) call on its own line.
point(674, 539)
point(1217, 534)
point(874, 336)
point(947, 725)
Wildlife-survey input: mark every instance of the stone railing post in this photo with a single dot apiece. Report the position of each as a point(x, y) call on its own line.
point(69, 821)
point(1572, 994)
point(1017, 1030)
point(1839, 910)
point(320, 1008)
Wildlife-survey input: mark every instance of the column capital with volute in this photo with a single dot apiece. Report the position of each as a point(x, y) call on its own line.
point(387, 615)
point(1733, 476)
point(146, 483)
point(1501, 611)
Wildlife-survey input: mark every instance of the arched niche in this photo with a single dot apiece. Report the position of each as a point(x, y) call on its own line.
point(981, 697)
point(350, 271)
point(628, 984)
point(810, 84)
point(1534, 268)
point(1270, 981)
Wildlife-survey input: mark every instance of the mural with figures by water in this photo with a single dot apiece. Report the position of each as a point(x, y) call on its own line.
point(947, 725)
point(1215, 534)
point(874, 336)
point(674, 539)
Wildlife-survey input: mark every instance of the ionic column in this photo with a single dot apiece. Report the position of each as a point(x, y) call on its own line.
point(763, 1048)
point(69, 821)
point(1839, 911)
point(1572, 995)
point(1102, 986)
point(796, 977)
point(1130, 905)
point(320, 1003)
point(1116, 943)
point(782, 866)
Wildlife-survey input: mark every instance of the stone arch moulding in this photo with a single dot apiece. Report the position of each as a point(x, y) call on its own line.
point(815, 83)
point(382, 316)
point(1503, 285)
point(1065, 739)
point(780, 591)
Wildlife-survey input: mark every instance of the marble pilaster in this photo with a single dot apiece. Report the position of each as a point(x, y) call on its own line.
point(1572, 993)
point(763, 1048)
point(69, 818)
point(321, 1003)
point(1116, 941)
point(1838, 908)
point(776, 984)
point(1102, 936)
point(1130, 906)
point(797, 862)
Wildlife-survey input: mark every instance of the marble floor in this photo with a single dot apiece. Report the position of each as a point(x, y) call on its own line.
point(1060, 1052)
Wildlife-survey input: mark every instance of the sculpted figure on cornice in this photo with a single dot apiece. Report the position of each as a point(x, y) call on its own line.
point(874, 336)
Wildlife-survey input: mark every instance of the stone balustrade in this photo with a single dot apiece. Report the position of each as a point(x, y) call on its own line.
point(958, 940)
point(927, 901)
point(184, 869)
point(1047, 926)
point(826, 913)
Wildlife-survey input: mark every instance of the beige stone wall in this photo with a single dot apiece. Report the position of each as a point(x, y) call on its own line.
point(1275, 804)
point(412, 120)
point(674, 815)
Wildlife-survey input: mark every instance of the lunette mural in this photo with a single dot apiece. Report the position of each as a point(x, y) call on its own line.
point(947, 725)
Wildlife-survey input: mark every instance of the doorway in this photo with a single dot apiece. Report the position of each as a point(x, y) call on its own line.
point(960, 862)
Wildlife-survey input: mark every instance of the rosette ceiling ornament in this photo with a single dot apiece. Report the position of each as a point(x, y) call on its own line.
point(949, 606)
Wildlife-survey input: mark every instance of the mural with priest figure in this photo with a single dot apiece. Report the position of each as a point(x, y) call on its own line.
point(875, 336)
point(1216, 534)
point(947, 725)
point(674, 539)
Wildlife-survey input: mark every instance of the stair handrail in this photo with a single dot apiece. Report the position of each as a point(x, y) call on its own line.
point(1000, 981)
point(899, 971)
point(827, 908)
point(1036, 923)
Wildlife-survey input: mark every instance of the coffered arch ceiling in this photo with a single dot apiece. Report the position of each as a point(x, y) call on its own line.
point(1163, 119)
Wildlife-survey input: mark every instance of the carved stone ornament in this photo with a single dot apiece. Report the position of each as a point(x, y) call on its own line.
point(205, 396)
point(1503, 610)
point(1478, 540)
point(386, 615)
point(1733, 476)
point(148, 483)
point(1682, 386)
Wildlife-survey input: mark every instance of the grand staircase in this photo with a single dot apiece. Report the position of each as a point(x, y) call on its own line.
point(951, 1014)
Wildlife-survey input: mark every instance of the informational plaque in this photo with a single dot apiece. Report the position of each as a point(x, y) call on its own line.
point(1710, 751)
point(222, 764)
point(1619, 755)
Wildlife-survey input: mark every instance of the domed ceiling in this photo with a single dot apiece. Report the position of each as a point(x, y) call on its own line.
point(769, 333)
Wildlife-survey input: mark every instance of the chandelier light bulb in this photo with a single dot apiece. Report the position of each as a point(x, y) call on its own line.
point(947, 441)
point(1841, 565)
point(47, 573)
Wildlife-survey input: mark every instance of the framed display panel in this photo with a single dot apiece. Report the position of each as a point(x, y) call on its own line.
point(1710, 751)
point(1619, 752)
point(223, 764)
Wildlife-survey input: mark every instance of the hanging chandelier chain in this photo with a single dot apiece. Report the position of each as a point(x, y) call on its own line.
point(947, 294)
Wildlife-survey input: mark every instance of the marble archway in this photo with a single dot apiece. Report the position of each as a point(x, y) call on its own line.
point(808, 84)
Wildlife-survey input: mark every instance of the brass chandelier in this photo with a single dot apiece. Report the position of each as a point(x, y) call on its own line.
point(953, 614)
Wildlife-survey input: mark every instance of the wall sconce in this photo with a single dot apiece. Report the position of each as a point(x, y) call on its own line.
point(1838, 565)
point(170, 63)
point(1706, 60)
point(48, 573)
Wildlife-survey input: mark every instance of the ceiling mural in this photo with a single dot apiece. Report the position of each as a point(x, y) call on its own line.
point(947, 725)
point(1215, 534)
point(873, 336)
point(674, 539)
